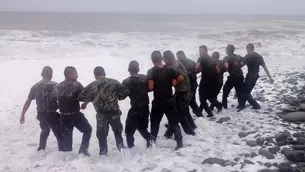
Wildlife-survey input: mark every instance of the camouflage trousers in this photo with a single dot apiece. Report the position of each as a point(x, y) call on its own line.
point(48, 121)
point(79, 121)
point(103, 121)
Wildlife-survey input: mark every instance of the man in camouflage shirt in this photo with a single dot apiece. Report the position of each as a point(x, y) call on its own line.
point(105, 94)
point(233, 64)
point(46, 108)
point(183, 95)
point(190, 66)
point(137, 118)
point(66, 94)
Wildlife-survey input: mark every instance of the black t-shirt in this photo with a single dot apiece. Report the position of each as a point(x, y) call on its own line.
point(67, 93)
point(254, 61)
point(208, 66)
point(138, 87)
point(163, 80)
point(190, 66)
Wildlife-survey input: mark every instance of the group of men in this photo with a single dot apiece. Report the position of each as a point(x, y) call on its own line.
point(105, 93)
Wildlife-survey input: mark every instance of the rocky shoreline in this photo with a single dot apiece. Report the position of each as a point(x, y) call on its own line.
point(289, 143)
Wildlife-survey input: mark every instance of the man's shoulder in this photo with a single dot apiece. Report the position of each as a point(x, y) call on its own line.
point(112, 81)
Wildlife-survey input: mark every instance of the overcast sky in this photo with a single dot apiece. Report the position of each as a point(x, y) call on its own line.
point(291, 7)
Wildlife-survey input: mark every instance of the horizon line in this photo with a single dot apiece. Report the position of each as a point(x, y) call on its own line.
point(146, 13)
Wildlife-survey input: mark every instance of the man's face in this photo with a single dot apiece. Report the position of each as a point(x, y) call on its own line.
point(180, 57)
point(73, 75)
point(166, 61)
point(202, 52)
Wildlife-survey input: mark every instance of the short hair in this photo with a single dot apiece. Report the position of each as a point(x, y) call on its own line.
point(215, 55)
point(250, 46)
point(98, 71)
point(47, 71)
point(133, 66)
point(68, 70)
point(168, 55)
point(204, 47)
point(181, 53)
point(156, 56)
point(230, 48)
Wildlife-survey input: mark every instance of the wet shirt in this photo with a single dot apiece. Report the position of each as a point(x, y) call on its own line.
point(254, 61)
point(190, 66)
point(221, 66)
point(185, 86)
point(234, 64)
point(207, 64)
point(104, 94)
point(66, 93)
point(42, 93)
point(138, 87)
point(163, 80)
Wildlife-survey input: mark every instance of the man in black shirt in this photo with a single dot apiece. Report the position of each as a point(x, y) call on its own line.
point(183, 95)
point(160, 81)
point(66, 94)
point(46, 108)
point(233, 64)
point(190, 66)
point(218, 77)
point(253, 61)
point(137, 118)
point(209, 69)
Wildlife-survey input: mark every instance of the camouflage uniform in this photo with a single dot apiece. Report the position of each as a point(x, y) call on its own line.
point(190, 66)
point(105, 94)
point(66, 93)
point(46, 111)
point(183, 96)
point(235, 79)
point(137, 118)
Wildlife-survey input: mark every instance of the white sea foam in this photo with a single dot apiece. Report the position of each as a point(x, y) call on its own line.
point(24, 53)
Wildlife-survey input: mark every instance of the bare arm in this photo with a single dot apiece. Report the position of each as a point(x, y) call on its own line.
point(226, 65)
point(198, 68)
point(180, 79)
point(267, 72)
point(24, 110)
point(150, 85)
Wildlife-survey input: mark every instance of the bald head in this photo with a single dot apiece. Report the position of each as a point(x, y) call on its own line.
point(168, 57)
point(47, 73)
point(71, 73)
point(230, 49)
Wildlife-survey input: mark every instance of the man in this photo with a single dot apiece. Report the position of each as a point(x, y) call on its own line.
point(105, 94)
point(137, 118)
point(67, 93)
point(253, 61)
point(160, 81)
point(46, 108)
point(183, 95)
point(233, 64)
point(218, 77)
point(209, 69)
point(190, 66)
